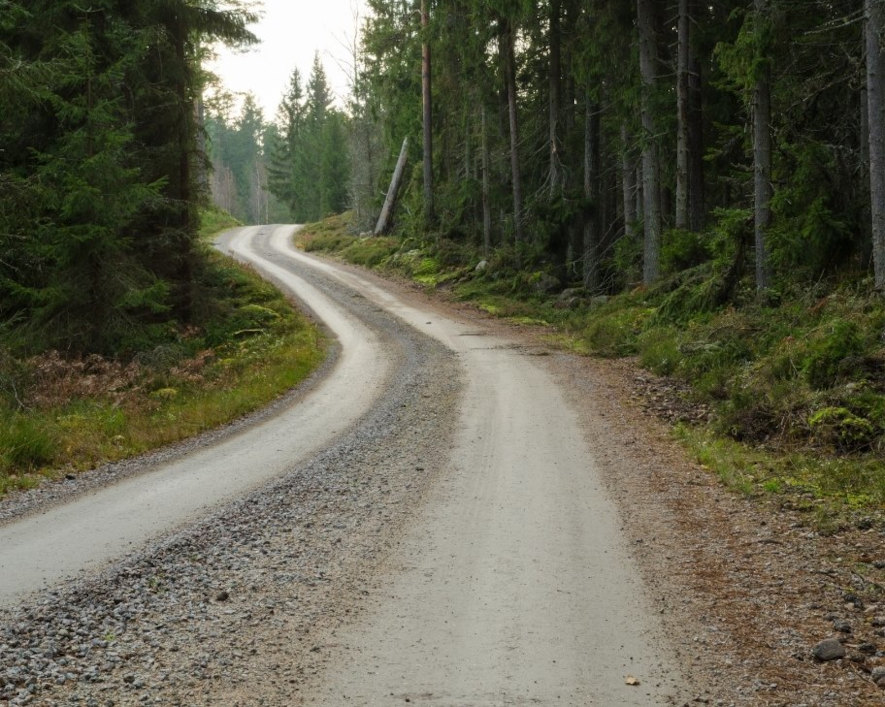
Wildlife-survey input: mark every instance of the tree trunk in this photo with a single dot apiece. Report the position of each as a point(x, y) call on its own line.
point(866, 245)
point(875, 23)
point(651, 193)
point(555, 81)
point(427, 116)
point(386, 215)
point(508, 53)
point(696, 190)
point(683, 53)
point(486, 199)
point(639, 202)
point(628, 186)
point(762, 160)
point(591, 195)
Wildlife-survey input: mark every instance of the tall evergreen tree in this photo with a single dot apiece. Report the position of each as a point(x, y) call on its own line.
point(101, 209)
point(309, 163)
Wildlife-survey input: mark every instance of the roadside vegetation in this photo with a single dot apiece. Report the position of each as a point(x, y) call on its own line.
point(120, 330)
point(786, 397)
point(62, 413)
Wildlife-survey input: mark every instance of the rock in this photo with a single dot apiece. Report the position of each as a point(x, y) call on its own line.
point(842, 626)
point(854, 600)
point(223, 595)
point(546, 284)
point(571, 292)
point(481, 267)
point(867, 648)
point(828, 649)
point(570, 303)
point(878, 675)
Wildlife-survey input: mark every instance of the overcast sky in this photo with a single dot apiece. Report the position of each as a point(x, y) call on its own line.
point(290, 32)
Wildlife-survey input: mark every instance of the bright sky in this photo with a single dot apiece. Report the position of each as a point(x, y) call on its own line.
point(291, 31)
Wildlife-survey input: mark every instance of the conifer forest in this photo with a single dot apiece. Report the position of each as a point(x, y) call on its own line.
point(716, 155)
point(619, 142)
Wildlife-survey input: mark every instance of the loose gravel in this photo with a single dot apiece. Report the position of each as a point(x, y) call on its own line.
point(202, 609)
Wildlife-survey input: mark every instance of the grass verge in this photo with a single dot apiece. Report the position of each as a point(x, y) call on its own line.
point(60, 415)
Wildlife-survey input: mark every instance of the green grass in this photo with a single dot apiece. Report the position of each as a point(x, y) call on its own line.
point(58, 416)
point(835, 492)
point(803, 380)
point(214, 220)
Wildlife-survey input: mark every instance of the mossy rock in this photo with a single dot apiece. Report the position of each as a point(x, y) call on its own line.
point(842, 429)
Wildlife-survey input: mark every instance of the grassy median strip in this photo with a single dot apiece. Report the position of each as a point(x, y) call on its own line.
point(61, 415)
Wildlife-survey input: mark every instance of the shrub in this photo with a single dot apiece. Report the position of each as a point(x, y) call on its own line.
point(823, 363)
point(842, 429)
point(682, 250)
point(614, 332)
point(26, 443)
point(659, 351)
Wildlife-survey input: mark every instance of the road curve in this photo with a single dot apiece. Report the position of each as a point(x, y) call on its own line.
point(510, 582)
point(47, 548)
point(514, 585)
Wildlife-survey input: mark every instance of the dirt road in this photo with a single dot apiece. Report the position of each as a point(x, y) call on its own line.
point(47, 548)
point(514, 585)
point(449, 543)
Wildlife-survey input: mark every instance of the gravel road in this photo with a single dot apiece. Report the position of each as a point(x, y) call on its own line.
point(451, 543)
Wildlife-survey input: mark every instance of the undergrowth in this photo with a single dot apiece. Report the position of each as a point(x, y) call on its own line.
point(60, 414)
point(795, 383)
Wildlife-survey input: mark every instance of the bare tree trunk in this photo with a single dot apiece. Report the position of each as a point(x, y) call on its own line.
point(509, 53)
point(866, 249)
point(875, 23)
point(628, 186)
point(427, 116)
point(386, 215)
point(762, 163)
point(555, 81)
point(696, 191)
point(591, 195)
point(639, 203)
point(682, 118)
point(651, 193)
point(468, 157)
point(486, 200)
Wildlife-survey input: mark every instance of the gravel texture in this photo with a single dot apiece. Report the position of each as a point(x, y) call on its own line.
point(196, 609)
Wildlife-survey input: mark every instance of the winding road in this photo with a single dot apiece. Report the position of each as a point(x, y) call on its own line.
point(510, 584)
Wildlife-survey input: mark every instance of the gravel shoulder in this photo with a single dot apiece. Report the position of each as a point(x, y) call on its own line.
point(250, 605)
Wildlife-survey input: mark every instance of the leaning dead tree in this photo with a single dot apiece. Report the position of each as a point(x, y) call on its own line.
point(384, 220)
